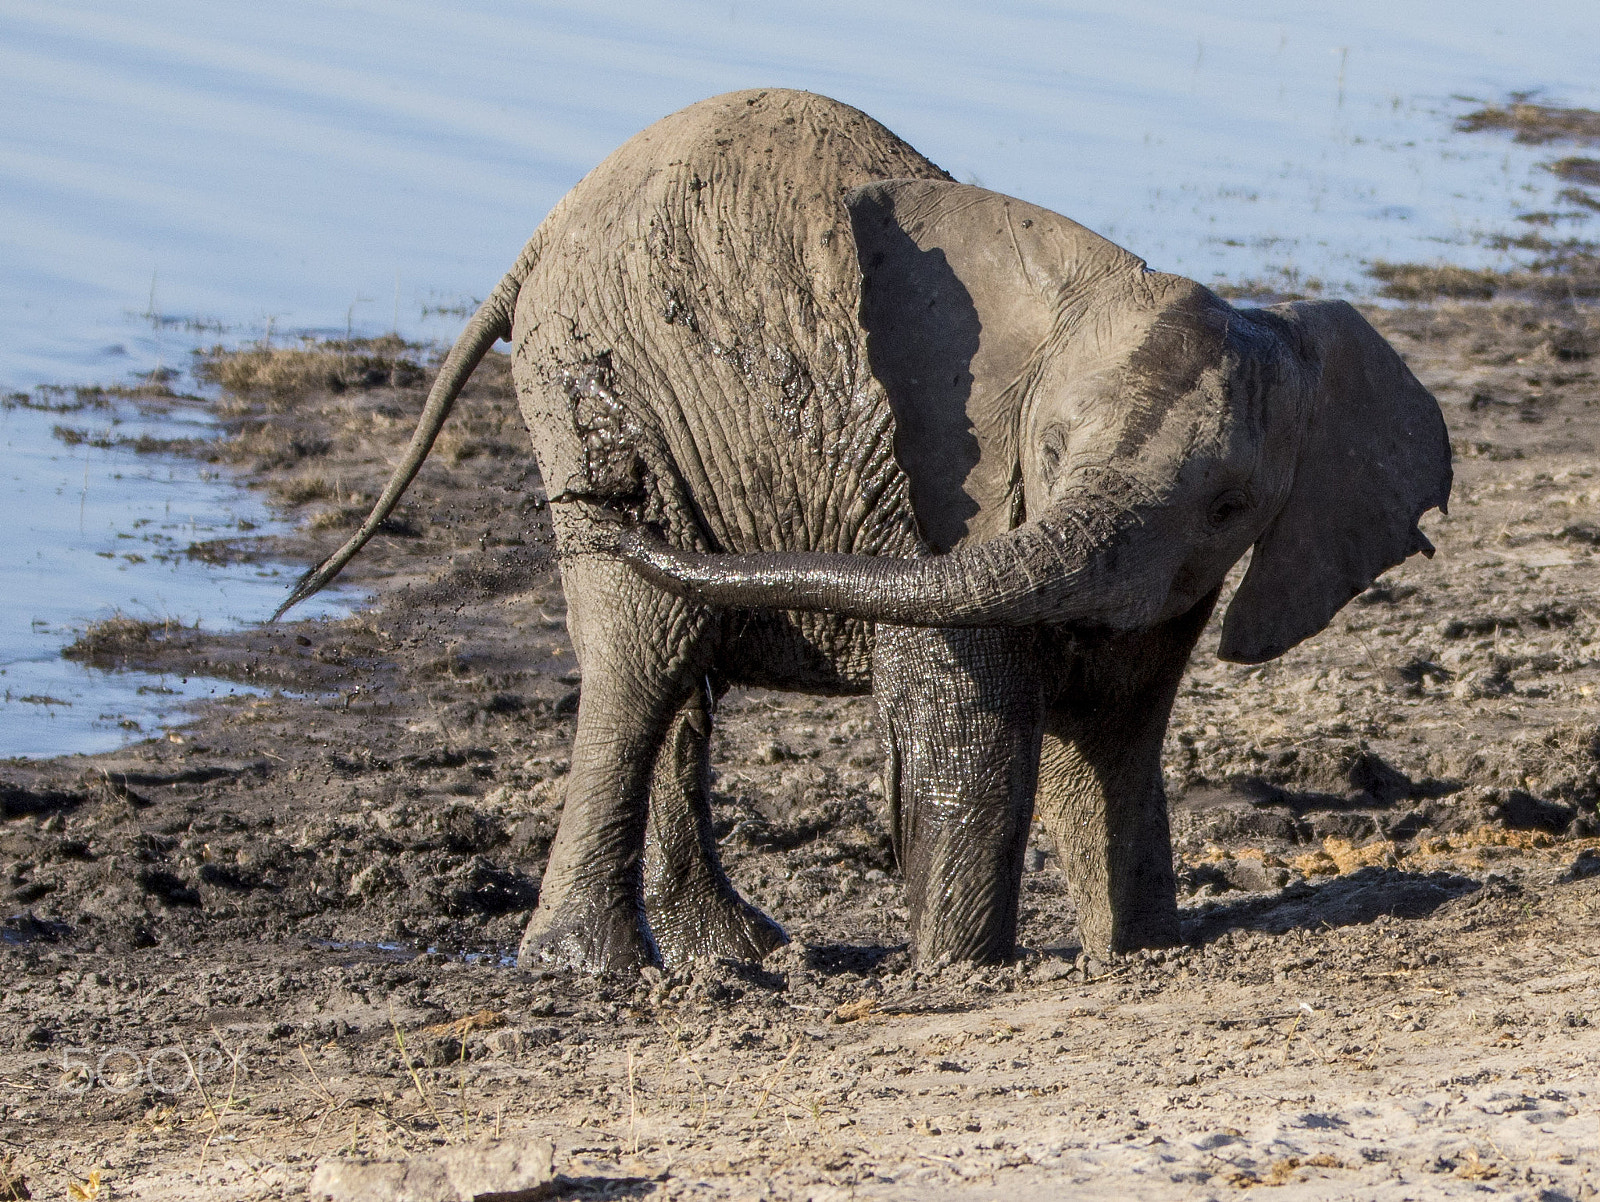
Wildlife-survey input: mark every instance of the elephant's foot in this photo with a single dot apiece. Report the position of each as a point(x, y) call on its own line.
point(1105, 933)
point(967, 916)
point(589, 937)
point(971, 947)
point(711, 923)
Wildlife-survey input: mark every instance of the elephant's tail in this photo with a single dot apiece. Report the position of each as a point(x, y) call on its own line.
point(489, 324)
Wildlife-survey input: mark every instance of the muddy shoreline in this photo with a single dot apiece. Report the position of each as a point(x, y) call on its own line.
point(1388, 846)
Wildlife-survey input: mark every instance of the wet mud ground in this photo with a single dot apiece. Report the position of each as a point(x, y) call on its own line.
point(282, 933)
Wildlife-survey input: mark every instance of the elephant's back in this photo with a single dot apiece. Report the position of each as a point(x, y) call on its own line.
point(704, 278)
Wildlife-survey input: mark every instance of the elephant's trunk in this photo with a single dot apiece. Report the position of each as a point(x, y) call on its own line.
point(1070, 564)
point(489, 324)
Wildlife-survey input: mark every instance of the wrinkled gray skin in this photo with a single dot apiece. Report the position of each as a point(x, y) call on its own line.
point(812, 416)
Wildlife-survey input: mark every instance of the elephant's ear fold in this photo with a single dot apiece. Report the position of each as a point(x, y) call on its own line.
point(1374, 457)
point(960, 290)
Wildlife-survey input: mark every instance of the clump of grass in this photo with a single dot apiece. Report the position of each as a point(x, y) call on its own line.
point(142, 444)
point(270, 445)
point(118, 637)
point(12, 1183)
point(1420, 281)
point(1565, 272)
point(155, 385)
point(72, 436)
point(1576, 170)
point(458, 444)
point(1283, 284)
point(297, 490)
point(1532, 123)
point(341, 517)
point(278, 373)
point(1552, 255)
point(220, 552)
point(1580, 198)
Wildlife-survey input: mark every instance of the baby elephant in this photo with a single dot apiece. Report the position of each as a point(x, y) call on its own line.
point(864, 427)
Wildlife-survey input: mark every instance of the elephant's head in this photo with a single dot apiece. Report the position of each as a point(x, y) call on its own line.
point(1089, 442)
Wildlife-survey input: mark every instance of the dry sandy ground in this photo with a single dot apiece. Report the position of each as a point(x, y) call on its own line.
point(1387, 840)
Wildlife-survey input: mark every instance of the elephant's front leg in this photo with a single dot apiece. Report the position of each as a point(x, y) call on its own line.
point(1100, 789)
point(960, 712)
point(693, 908)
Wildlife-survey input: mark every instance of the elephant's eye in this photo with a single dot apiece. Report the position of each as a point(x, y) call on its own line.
point(1226, 507)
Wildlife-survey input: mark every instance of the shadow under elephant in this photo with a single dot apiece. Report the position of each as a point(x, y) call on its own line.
point(1353, 899)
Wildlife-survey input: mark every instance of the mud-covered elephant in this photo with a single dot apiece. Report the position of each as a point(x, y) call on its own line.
point(811, 415)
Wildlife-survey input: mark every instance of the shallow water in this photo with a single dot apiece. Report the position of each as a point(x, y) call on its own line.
point(95, 531)
point(180, 173)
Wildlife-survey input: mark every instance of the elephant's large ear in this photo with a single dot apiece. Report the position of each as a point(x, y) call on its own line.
point(1374, 457)
point(961, 288)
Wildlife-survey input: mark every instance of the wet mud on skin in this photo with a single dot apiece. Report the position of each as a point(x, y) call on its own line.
point(1387, 845)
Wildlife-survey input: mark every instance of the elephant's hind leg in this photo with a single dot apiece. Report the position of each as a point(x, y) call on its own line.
point(640, 651)
point(693, 908)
